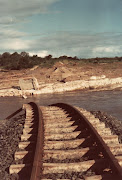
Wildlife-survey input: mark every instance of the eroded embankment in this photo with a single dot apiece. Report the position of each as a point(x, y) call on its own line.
point(96, 84)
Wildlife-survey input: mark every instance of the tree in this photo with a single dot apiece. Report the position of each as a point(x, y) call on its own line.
point(48, 57)
point(63, 57)
point(15, 54)
point(5, 55)
point(75, 57)
point(24, 54)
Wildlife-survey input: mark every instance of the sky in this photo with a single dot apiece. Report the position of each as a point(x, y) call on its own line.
point(82, 28)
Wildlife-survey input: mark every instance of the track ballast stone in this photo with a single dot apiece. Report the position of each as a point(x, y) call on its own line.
point(114, 124)
point(10, 132)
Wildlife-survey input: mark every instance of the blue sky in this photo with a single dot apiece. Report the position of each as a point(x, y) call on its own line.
point(83, 28)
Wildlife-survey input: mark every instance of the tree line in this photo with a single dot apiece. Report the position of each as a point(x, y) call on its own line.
point(16, 61)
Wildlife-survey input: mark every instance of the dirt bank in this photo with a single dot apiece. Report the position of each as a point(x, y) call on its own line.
point(91, 84)
point(63, 77)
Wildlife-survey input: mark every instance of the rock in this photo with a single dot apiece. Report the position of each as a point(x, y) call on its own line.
point(29, 84)
point(10, 135)
point(25, 84)
point(97, 77)
point(103, 76)
point(35, 84)
point(104, 83)
point(24, 96)
point(114, 124)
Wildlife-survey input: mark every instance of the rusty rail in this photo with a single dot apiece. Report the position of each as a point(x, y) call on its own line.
point(107, 153)
point(13, 114)
point(37, 164)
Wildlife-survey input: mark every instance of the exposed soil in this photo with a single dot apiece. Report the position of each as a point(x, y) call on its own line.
point(61, 72)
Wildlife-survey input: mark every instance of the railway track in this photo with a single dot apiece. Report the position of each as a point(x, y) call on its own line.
point(65, 142)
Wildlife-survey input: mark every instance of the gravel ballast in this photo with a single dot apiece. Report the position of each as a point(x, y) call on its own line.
point(10, 132)
point(114, 124)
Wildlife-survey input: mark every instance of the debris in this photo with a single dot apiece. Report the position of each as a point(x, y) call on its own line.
point(29, 84)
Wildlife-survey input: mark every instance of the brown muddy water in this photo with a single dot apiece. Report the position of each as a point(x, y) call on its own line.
point(106, 101)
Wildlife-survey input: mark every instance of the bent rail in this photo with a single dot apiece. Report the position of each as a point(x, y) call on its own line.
point(37, 164)
point(113, 161)
point(59, 136)
point(13, 114)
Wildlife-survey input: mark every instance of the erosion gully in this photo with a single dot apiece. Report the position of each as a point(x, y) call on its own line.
point(65, 142)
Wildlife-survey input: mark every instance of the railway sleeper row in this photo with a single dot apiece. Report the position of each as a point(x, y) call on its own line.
point(69, 151)
point(24, 156)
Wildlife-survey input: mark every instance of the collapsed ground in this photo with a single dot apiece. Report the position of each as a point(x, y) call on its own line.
point(62, 71)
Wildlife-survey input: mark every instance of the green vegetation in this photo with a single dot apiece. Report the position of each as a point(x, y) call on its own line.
point(17, 61)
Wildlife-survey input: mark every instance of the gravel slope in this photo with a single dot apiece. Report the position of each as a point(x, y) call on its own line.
point(10, 132)
point(114, 124)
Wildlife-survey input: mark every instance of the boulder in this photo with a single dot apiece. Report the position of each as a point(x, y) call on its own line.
point(97, 77)
point(28, 84)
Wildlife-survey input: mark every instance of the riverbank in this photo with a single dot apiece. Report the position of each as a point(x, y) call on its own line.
point(94, 83)
point(63, 77)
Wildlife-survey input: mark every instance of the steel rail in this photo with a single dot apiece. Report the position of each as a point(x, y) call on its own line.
point(13, 114)
point(105, 149)
point(37, 163)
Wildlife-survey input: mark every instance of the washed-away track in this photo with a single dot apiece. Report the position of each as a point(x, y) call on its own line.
point(65, 142)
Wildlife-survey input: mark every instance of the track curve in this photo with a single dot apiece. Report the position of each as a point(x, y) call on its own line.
point(70, 144)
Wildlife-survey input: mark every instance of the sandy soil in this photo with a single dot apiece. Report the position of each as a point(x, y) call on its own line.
point(61, 72)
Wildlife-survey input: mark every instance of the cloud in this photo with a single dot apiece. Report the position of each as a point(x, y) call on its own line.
point(63, 43)
point(109, 49)
point(81, 45)
point(105, 51)
point(12, 11)
point(15, 45)
point(7, 20)
point(39, 53)
point(10, 33)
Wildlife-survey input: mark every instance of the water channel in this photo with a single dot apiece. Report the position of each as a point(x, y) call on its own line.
point(107, 101)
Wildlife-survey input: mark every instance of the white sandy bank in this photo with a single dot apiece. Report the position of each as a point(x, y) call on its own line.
point(68, 86)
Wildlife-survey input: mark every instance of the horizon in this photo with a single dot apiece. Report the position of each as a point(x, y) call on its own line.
point(82, 28)
point(65, 56)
